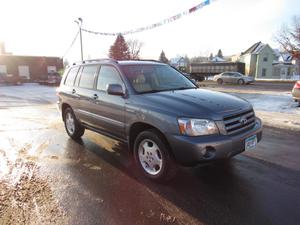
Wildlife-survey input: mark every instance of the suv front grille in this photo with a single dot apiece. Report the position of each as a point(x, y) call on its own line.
point(240, 122)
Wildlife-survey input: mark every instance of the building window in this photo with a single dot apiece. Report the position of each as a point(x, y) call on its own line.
point(24, 71)
point(3, 69)
point(264, 72)
point(265, 59)
point(51, 69)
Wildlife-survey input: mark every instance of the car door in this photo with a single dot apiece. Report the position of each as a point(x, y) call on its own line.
point(68, 89)
point(110, 109)
point(225, 77)
point(230, 78)
point(85, 83)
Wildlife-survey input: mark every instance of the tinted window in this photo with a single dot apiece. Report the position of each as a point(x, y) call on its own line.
point(108, 75)
point(237, 75)
point(87, 76)
point(71, 76)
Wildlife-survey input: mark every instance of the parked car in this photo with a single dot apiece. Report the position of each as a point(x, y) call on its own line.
point(10, 79)
point(162, 116)
point(233, 77)
point(296, 92)
point(52, 78)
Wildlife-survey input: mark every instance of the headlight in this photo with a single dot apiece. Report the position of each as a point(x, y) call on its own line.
point(197, 127)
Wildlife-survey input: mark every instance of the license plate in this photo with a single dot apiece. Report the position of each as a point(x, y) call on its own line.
point(250, 143)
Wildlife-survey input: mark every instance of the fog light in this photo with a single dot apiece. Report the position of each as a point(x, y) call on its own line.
point(210, 152)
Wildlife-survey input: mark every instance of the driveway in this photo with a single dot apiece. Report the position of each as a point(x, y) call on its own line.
point(47, 178)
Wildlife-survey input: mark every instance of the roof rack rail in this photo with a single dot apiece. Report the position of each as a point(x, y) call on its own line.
point(94, 60)
point(151, 60)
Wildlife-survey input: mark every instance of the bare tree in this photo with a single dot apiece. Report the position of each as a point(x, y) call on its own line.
point(134, 46)
point(289, 37)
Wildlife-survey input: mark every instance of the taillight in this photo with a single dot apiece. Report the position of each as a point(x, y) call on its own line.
point(297, 85)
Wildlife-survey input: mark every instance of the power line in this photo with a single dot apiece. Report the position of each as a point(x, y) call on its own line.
point(71, 45)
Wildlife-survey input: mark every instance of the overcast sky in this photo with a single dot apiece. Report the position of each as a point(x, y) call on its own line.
point(35, 27)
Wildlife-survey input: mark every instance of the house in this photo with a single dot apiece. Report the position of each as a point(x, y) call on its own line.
point(180, 63)
point(217, 59)
point(29, 67)
point(258, 61)
point(284, 67)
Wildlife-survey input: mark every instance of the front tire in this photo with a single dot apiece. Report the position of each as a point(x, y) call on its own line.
point(152, 156)
point(74, 129)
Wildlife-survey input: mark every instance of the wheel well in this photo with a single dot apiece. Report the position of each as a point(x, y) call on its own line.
point(63, 108)
point(138, 128)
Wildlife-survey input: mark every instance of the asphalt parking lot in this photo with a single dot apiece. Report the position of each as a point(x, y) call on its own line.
point(47, 178)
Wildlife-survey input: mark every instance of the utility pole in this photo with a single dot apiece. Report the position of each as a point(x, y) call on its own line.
point(79, 22)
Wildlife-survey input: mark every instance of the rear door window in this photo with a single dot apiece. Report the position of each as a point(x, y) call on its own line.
point(88, 76)
point(71, 76)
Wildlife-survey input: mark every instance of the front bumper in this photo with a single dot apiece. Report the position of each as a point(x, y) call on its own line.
point(192, 150)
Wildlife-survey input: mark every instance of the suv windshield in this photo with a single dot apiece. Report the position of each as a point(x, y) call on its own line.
point(155, 78)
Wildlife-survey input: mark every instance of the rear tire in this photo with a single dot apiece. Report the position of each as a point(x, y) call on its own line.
point(220, 81)
point(152, 156)
point(73, 127)
point(241, 82)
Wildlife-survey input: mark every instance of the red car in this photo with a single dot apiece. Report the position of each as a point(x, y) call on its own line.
point(296, 92)
point(53, 78)
point(10, 79)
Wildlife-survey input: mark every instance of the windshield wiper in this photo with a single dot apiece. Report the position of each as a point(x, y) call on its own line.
point(183, 88)
point(169, 89)
point(151, 91)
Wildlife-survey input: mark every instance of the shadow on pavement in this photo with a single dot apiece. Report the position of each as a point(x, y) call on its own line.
point(220, 193)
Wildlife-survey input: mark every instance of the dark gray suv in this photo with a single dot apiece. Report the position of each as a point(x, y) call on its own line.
point(162, 116)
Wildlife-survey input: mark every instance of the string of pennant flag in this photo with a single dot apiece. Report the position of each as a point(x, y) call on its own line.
point(155, 25)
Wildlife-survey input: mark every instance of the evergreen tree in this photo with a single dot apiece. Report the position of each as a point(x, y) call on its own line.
point(211, 57)
point(119, 50)
point(220, 54)
point(163, 57)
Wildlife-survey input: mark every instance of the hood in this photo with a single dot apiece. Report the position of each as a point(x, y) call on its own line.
point(195, 103)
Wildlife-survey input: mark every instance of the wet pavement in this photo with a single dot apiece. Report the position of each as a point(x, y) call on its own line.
point(47, 178)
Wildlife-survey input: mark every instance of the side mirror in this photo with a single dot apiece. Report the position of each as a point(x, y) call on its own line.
point(115, 89)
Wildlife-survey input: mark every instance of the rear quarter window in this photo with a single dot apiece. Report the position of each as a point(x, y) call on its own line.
point(71, 76)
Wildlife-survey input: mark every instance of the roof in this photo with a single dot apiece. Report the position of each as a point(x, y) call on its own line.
point(217, 59)
point(176, 60)
point(254, 49)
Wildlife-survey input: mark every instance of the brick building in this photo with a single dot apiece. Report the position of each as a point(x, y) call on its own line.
point(29, 67)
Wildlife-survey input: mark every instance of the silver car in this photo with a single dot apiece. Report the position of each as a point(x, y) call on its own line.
point(233, 77)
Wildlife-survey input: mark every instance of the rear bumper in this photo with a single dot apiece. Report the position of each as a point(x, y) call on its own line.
point(296, 94)
point(191, 150)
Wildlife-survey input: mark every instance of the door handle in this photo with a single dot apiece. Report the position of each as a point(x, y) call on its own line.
point(95, 96)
